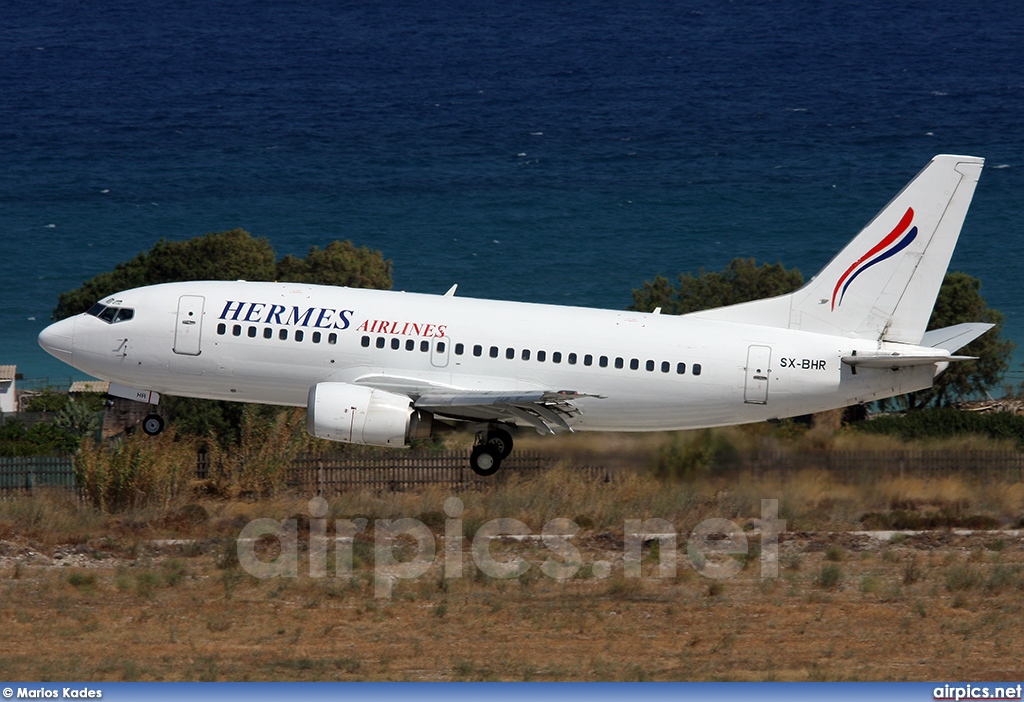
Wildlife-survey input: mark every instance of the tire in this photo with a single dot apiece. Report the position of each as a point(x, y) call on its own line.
point(500, 440)
point(153, 424)
point(485, 460)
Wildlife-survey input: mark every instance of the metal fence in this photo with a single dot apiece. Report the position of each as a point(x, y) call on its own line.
point(25, 473)
point(392, 471)
point(995, 465)
point(395, 472)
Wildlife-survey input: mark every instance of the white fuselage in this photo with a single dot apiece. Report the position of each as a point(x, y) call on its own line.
point(271, 342)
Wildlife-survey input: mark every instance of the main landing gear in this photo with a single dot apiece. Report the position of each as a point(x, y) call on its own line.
point(492, 447)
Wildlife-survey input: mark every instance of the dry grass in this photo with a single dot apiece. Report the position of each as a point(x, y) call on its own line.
point(92, 596)
point(188, 617)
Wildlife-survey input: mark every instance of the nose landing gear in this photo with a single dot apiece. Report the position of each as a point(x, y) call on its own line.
point(153, 424)
point(492, 447)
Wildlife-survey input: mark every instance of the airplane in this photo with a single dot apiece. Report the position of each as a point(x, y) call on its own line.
point(384, 368)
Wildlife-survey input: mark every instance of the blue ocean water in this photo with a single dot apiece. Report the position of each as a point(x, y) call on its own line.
point(547, 152)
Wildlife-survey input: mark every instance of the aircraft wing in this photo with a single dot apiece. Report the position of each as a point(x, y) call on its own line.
point(546, 411)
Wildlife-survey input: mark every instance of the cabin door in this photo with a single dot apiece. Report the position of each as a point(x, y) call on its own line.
point(755, 391)
point(189, 325)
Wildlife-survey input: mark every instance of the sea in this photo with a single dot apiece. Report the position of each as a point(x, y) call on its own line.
point(557, 152)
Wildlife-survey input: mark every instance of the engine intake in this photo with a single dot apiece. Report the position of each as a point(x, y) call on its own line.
point(355, 414)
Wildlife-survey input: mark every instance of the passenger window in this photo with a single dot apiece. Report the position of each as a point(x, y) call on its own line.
point(603, 362)
point(252, 332)
point(478, 350)
point(696, 369)
point(681, 369)
point(424, 346)
point(332, 338)
point(222, 329)
point(510, 353)
point(283, 335)
point(666, 366)
point(440, 347)
point(526, 354)
point(316, 337)
point(588, 360)
point(650, 365)
point(381, 341)
point(619, 363)
point(236, 330)
point(396, 343)
point(459, 349)
point(556, 357)
point(634, 364)
point(298, 335)
point(365, 342)
point(410, 345)
point(494, 352)
point(268, 333)
point(541, 355)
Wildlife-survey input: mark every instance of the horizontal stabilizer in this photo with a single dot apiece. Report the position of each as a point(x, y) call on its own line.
point(954, 337)
point(898, 360)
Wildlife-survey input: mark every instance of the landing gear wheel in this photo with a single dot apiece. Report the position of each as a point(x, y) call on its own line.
point(485, 460)
point(153, 424)
point(501, 440)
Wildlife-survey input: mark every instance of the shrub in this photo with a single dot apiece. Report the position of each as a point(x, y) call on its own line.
point(687, 457)
point(829, 576)
point(961, 577)
point(835, 553)
point(947, 422)
point(135, 472)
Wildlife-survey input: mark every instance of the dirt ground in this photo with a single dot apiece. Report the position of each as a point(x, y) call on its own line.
point(846, 606)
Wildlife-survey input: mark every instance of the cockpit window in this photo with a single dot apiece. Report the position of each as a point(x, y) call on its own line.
point(111, 315)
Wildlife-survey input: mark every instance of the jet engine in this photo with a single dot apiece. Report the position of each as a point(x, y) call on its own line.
point(359, 415)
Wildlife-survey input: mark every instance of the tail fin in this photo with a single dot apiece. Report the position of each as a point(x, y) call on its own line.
point(883, 285)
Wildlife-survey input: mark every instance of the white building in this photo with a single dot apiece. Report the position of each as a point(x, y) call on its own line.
point(8, 402)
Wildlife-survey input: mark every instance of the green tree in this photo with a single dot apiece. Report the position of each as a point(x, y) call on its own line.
point(341, 263)
point(959, 301)
point(79, 418)
point(231, 255)
point(741, 281)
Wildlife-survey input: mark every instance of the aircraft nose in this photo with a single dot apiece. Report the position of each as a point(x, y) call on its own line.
point(58, 339)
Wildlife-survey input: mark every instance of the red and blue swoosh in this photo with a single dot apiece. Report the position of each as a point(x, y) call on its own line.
point(895, 241)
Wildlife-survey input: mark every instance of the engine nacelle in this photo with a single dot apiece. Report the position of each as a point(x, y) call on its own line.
point(359, 415)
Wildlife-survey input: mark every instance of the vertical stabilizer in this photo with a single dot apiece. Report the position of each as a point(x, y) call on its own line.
point(883, 285)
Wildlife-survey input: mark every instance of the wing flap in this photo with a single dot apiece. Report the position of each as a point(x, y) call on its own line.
point(548, 412)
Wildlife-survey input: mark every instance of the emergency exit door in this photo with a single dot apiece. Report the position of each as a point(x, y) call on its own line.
point(759, 359)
